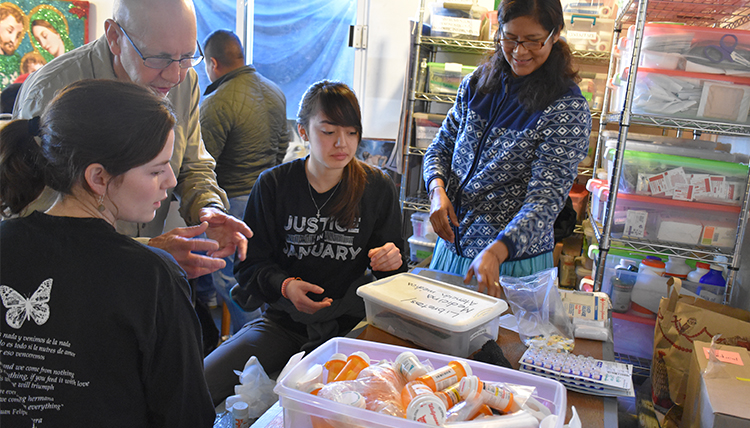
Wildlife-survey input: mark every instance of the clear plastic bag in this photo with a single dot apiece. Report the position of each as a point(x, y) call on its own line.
point(542, 321)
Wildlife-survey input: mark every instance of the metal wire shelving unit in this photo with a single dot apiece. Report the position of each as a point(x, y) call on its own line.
point(726, 14)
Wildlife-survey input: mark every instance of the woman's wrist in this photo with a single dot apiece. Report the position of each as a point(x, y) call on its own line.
point(286, 283)
point(433, 189)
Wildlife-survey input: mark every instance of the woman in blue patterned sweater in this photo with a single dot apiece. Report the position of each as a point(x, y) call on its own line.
point(505, 158)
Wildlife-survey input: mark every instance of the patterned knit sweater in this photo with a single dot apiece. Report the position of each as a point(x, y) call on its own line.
point(508, 171)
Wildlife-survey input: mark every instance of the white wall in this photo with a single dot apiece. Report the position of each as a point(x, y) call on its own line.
point(99, 11)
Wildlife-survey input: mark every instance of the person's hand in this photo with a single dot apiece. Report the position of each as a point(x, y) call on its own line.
point(296, 292)
point(385, 258)
point(486, 267)
point(441, 211)
point(179, 243)
point(230, 232)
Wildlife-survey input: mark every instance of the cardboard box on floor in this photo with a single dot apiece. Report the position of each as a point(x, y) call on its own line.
point(720, 401)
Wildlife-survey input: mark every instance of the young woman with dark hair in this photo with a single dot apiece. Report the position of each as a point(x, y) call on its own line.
point(320, 223)
point(105, 330)
point(505, 158)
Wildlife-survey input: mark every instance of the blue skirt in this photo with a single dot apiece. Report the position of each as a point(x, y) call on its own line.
point(446, 261)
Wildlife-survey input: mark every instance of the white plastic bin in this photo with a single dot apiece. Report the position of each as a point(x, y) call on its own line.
point(433, 314)
point(420, 248)
point(299, 406)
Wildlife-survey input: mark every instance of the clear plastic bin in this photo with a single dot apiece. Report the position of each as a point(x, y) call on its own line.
point(454, 23)
point(420, 248)
point(433, 314)
point(688, 95)
point(668, 221)
point(694, 49)
point(427, 126)
point(299, 406)
point(675, 172)
point(445, 78)
point(420, 223)
point(588, 32)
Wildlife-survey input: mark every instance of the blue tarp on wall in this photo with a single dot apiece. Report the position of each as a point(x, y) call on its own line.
point(295, 43)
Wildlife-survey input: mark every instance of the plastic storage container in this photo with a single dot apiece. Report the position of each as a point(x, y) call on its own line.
point(696, 49)
point(677, 267)
point(420, 223)
point(679, 173)
point(420, 248)
point(701, 269)
point(445, 78)
point(427, 126)
point(588, 31)
point(670, 221)
point(299, 406)
point(432, 314)
point(453, 23)
point(687, 95)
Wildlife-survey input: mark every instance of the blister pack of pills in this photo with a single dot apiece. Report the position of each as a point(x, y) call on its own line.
point(578, 373)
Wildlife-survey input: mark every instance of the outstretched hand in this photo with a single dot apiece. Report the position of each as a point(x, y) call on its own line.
point(180, 244)
point(230, 232)
point(486, 267)
point(296, 292)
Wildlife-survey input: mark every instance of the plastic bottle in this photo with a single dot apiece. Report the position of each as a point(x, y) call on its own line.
point(450, 396)
point(712, 285)
point(496, 397)
point(701, 269)
point(677, 267)
point(409, 366)
point(240, 418)
point(465, 410)
point(446, 376)
point(654, 264)
point(334, 365)
point(354, 364)
point(421, 404)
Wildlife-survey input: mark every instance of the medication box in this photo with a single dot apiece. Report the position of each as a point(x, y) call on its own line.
point(300, 406)
point(420, 248)
point(427, 126)
point(445, 78)
point(433, 314)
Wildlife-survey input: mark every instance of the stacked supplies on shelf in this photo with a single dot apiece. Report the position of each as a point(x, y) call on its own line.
point(578, 373)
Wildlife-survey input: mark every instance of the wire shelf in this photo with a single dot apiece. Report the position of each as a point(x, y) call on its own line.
point(417, 204)
point(683, 124)
point(484, 47)
point(429, 96)
point(641, 366)
point(702, 13)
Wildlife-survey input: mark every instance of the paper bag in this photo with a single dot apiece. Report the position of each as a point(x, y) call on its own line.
point(681, 321)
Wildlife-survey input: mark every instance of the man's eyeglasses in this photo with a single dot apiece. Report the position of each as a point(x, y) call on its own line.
point(529, 45)
point(161, 63)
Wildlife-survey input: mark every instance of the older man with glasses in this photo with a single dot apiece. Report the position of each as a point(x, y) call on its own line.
point(154, 44)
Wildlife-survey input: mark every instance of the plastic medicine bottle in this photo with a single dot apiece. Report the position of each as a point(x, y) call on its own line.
point(446, 376)
point(409, 366)
point(334, 365)
point(421, 404)
point(701, 269)
point(496, 397)
point(356, 362)
point(240, 415)
point(450, 396)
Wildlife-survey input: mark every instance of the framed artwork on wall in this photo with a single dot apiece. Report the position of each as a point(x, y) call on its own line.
point(34, 32)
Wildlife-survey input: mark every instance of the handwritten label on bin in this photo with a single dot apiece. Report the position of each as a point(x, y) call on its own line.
point(442, 302)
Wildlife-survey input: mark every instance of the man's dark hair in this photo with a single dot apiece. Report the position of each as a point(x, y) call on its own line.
point(225, 47)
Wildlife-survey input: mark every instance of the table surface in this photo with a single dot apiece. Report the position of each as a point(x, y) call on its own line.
point(594, 411)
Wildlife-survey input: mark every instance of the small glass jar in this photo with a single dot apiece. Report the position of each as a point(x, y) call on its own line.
point(621, 292)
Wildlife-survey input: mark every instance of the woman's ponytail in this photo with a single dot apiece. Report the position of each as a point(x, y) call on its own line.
point(22, 166)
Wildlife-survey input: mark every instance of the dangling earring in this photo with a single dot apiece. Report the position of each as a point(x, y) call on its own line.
point(100, 200)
